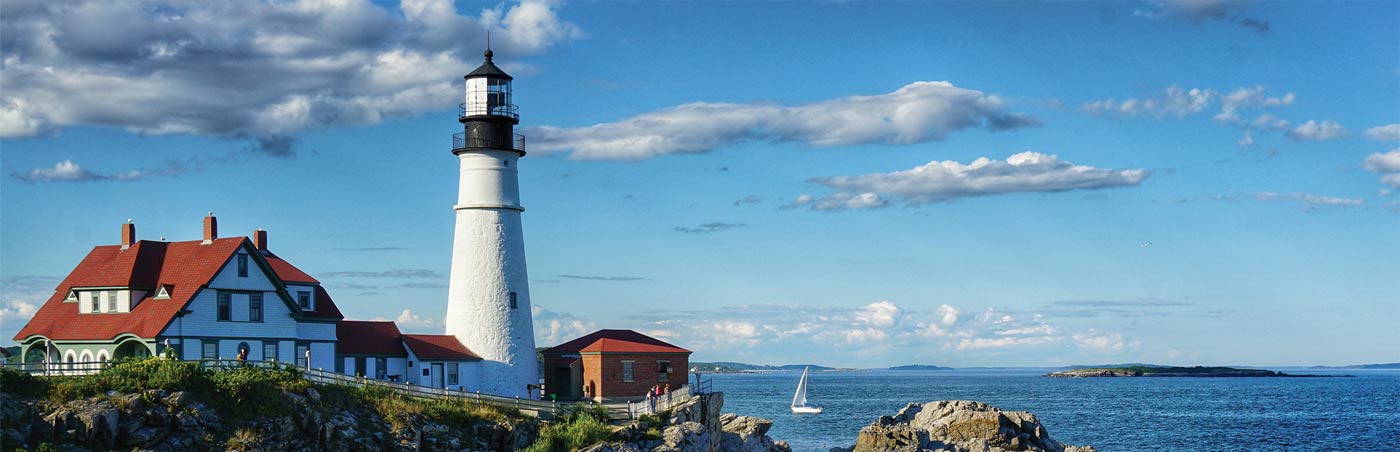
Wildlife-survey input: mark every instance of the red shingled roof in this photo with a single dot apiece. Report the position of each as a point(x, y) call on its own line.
point(615, 341)
point(285, 270)
point(185, 267)
point(438, 346)
point(368, 337)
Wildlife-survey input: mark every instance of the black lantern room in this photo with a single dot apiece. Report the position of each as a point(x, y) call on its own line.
point(488, 116)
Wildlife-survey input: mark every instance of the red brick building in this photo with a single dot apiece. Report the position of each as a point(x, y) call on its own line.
point(613, 365)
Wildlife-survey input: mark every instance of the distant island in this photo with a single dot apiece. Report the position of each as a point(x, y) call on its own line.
point(920, 367)
point(1386, 366)
point(732, 367)
point(1166, 371)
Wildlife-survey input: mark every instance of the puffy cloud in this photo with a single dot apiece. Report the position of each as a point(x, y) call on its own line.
point(1386, 164)
point(412, 322)
point(948, 315)
point(1318, 131)
point(67, 171)
point(1388, 132)
point(554, 328)
point(20, 298)
point(247, 69)
point(916, 113)
point(1174, 101)
point(949, 180)
point(1249, 98)
point(1310, 201)
point(879, 314)
point(1104, 342)
point(707, 228)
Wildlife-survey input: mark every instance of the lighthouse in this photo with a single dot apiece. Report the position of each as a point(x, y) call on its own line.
point(488, 295)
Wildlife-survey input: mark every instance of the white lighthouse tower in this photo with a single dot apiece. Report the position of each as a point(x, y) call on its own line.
point(488, 297)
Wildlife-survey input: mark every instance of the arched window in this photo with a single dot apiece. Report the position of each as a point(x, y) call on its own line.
point(243, 350)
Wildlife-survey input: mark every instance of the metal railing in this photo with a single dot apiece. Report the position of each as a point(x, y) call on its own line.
point(508, 110)
point(461, 141)
point(661, 403)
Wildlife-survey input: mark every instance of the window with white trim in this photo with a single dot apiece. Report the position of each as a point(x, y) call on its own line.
point(255, 307)
point(663, 370)
point(304, 300)
point(96, 303)
point(211, 350)
point(112, 301)
point(269, 351)
point(452, 373)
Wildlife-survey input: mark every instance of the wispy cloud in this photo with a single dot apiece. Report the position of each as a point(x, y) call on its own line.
point(1318, 131)
point(606, 278)
point(949, 180)
point(707, 228)
point(20, 298)
point(748, 199)
point(260, 70)
point(405, 273)
point(67, 171)
point(1198, 11)
point(916, 113)
point(1388, 132)
point(1309, 201)
point(372, 249)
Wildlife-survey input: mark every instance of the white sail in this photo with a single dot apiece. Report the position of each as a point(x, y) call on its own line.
point(800, 398)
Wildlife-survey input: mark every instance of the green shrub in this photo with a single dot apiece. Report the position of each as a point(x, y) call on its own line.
point(20, 383)
point(582, 426)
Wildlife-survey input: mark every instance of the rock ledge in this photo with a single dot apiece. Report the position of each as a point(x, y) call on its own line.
point(957, 426)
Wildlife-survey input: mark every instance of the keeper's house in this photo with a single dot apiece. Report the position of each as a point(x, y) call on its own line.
point(613, 365)
point(212, 298)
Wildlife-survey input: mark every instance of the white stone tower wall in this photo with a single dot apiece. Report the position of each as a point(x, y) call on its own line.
point(488, 263)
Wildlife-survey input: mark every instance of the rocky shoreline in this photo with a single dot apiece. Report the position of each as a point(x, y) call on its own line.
point(1150, 371)
point(957, 426)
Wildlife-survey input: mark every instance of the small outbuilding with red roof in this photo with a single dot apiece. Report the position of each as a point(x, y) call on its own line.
point(613, 365)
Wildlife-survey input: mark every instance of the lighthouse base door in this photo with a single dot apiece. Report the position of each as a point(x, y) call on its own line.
point(437, 375)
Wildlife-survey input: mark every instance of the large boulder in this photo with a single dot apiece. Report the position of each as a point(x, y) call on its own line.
point(958, 426)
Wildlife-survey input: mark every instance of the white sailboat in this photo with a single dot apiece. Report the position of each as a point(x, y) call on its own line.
point(799, 400)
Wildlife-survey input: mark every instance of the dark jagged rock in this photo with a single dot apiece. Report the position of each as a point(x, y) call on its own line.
point(957, 426)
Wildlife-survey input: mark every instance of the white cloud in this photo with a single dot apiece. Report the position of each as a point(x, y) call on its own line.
point(20, 298)
point(1002, 342)
point(67, 171)
point(1309, 200)
point(949, 315)
point(1249, 98)
point(949, 180)
point(1386, 164)
point(879, 314)
point(1388, 132)
point(1104, 342)
point(1318, 131)
point(554, 328)
point(1174, 101)
point(248, 69)
point(412, 322)
point(916, 113)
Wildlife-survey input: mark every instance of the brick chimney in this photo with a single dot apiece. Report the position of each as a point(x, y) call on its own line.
point(128, 234)
point(260, 240)
point(211, 228)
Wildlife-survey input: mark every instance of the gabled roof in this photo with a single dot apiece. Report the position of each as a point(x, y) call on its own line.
point(368, 337)
point(438, 347)
point(288, 272)
point(615, 341)
point(186, 266)
point(183, 267)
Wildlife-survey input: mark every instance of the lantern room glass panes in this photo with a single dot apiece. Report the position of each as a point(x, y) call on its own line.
point(488, 96)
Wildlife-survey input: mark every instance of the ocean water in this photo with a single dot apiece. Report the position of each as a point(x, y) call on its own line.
point(1111, 414)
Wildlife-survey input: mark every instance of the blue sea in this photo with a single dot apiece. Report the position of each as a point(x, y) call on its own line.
point(1112, 414)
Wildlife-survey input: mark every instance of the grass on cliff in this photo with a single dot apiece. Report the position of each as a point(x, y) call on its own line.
point(582, 427)
point(244, 393)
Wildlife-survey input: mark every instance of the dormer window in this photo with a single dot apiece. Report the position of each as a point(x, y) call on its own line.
point(96, 303)
point(72, 295)
point(163, 293)
point(111, 302)
point(242, 265)
point(304, 300)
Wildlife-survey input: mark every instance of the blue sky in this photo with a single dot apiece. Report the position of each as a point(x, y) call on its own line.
point(851, 184)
